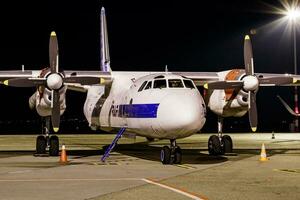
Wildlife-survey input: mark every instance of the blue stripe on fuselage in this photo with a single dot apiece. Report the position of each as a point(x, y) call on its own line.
point(138, 110)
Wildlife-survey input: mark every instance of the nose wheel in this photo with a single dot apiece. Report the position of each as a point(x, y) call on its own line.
point(171, 155)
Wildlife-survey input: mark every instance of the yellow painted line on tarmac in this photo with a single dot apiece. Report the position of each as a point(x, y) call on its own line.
point(175, 189)
point(288, 170)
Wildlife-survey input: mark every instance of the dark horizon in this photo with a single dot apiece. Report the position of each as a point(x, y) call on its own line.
point(146, 36)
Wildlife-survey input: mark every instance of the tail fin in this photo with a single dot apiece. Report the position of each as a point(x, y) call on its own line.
point(289, 109)
point(104, 47)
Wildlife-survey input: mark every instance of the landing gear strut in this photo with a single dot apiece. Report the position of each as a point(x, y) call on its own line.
point(221, 144)
point(45, 141)
point(172, 154)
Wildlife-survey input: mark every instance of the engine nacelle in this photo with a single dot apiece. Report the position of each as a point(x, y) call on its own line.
point(229, 102)
point(41, 101)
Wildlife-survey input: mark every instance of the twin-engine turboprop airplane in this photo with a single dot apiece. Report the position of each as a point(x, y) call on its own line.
point(164, 105)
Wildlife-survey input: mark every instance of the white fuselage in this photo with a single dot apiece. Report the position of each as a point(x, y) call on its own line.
point(151, 105)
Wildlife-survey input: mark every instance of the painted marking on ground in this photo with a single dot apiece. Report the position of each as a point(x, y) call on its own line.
point(288, 170)
point(186, 166)
point(71, 179)
point(20, 172)
point(174, 189)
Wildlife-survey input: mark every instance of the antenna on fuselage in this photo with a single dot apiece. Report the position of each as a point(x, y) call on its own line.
point(166, 69)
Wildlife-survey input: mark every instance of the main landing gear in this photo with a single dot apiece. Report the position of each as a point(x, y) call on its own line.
point(45, 141)
point(172, 154)
point(219, 144)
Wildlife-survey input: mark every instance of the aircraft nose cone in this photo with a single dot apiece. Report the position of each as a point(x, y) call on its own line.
point(181, 113)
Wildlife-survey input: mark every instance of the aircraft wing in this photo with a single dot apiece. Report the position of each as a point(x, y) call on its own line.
point(5, 75)
point(104, 77)
point(9, 74)
point(199, 78)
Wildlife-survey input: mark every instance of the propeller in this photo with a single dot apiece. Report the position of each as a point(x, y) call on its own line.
point(250, 83)
point(54, 81)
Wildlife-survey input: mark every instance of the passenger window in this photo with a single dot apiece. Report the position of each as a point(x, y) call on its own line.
point(160, 84)
point(188, 84)
point(142, 86)
point(175, 83)
point(148, 86)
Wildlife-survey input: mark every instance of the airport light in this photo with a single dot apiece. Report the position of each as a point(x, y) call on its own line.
point(290, 10)
point(293, 14)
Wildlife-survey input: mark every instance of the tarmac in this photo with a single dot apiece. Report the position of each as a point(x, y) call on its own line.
point(134, 171)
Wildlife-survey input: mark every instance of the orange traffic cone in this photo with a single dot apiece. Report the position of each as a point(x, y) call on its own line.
point(263, 155)
point(63, 156)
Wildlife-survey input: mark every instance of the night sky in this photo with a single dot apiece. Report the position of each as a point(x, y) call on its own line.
point(146, 35)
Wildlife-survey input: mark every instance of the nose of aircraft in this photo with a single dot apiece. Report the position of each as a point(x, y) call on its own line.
point(181, 113)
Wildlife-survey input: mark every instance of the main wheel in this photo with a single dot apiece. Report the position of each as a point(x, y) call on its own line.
point(214, 145)
point(227, 144)
point(177, 155)
point(165, 155)
point(41, 144)
point(54, 146)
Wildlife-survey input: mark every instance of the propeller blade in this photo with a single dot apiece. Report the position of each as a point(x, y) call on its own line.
point(252, 110)
point(248, 56)
point(55, 105)
point(283, 80)
point(84, 80)
point(25, 82)
point(224, 85)
point(53, 53)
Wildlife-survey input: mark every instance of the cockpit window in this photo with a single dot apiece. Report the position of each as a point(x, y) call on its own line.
point(160, 83)
point(175, 83)
point(148, 86)
point(188, 84)
point(142, 86)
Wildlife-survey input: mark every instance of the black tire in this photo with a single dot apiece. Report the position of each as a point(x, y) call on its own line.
point(54, 146)
point(41, 145)
point(227, 144)
point(214, 145)
point(165, 155)
point(177, 155)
